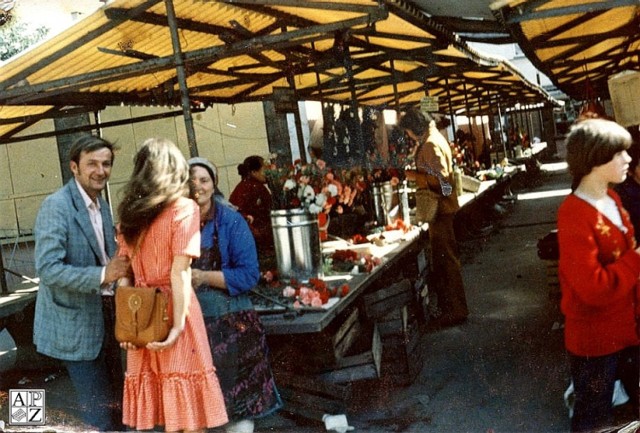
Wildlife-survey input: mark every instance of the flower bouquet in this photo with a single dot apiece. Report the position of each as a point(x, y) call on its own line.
point(312, 186)
point(311, 295)
point(302, 195)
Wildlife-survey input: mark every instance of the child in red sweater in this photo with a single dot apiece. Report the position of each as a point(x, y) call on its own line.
point(599, 269)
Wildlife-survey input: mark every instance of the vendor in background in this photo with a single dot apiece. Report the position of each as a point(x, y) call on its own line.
point(434, 170)
point(629, 190)
point(598, 268)
point(253, 200)
point(222, 277)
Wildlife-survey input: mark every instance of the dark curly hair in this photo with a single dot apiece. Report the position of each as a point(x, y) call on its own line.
point(251, 163)
point(415, 121)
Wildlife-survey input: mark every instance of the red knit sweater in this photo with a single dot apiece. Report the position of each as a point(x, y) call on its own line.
point(599, 272)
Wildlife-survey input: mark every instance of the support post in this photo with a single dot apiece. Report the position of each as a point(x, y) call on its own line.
point(451, 113)
point(484, 133)
point(3, 276)
point(396, 100)
point(298, 122)
point(348, 66)
point(182, 78)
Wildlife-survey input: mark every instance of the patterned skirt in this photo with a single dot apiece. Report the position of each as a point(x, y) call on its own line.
point(240, 354)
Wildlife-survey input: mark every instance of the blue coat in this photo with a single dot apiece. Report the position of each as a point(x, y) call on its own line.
point(69, 324)
point(239, 263)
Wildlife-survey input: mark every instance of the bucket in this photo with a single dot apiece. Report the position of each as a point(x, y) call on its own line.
point(385, 198)
point(297, 244)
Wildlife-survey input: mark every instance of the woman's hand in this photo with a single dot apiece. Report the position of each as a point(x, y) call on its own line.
point(198, 277)
point(171, 339)
point(128, 346)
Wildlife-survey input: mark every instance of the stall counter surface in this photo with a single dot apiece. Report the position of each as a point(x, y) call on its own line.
point(281, 317)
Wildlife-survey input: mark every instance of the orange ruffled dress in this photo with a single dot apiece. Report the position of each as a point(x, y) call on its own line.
point(177, 387)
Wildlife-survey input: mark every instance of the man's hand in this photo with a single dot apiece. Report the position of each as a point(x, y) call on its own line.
point(118, 267)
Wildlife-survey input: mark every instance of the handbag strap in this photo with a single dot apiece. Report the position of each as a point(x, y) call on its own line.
point(141, 277)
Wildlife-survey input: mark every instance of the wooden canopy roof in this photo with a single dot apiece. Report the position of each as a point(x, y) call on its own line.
point(139, 52)
point(577, 44)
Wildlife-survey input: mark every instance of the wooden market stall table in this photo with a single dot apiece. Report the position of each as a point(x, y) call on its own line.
point(280, 320)
point(373, 332)
point(17, 310)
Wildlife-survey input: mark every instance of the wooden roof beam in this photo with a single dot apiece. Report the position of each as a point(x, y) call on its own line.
point(546, 37)
point(329, 6)
point(47, 60)
point(528, 12)
point(588, 40)
point(20, 95)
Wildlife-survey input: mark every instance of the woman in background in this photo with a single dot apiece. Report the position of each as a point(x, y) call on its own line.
point(599, 268)
point(253, 200)
point(223, 276)
point(629, 190)
point(170, 383)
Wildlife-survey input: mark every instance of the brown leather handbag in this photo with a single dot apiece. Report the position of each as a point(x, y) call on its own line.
point(142, 315)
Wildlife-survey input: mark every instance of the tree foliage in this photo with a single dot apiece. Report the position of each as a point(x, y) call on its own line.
point(18, 36)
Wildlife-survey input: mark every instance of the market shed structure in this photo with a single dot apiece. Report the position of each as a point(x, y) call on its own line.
point(577, 44)
point(192, 54)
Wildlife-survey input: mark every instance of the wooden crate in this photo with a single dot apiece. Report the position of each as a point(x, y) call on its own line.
point(470, 183)
point(316, 352)
point(347, 333)
point(394, 322)
point(402, 354)
point(360, 366)
point(311, 397)
point(387, 299)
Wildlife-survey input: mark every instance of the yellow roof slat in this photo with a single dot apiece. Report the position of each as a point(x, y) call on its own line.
point(235, 51)
point(564, 37)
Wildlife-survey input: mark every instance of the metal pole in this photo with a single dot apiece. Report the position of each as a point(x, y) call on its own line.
point(484, 133)
point(182, 78)
point(298, 122)
point(504, 142)
point(466, 104)
point(541, 120)
point(451, 113)
point(529, 125)
point(3, 277)
point(107, 190)
point(348, 66)
point(396, 100)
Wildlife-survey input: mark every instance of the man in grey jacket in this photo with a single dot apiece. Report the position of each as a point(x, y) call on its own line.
point(74, 243)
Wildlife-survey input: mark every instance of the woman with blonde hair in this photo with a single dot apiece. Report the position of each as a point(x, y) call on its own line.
point(170, 383)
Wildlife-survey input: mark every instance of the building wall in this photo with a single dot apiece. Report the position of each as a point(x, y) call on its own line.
point(30, 170)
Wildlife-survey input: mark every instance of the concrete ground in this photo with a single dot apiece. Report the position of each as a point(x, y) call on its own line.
point(503, 371)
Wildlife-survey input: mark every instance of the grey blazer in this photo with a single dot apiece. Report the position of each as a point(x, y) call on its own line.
point(68, 320)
